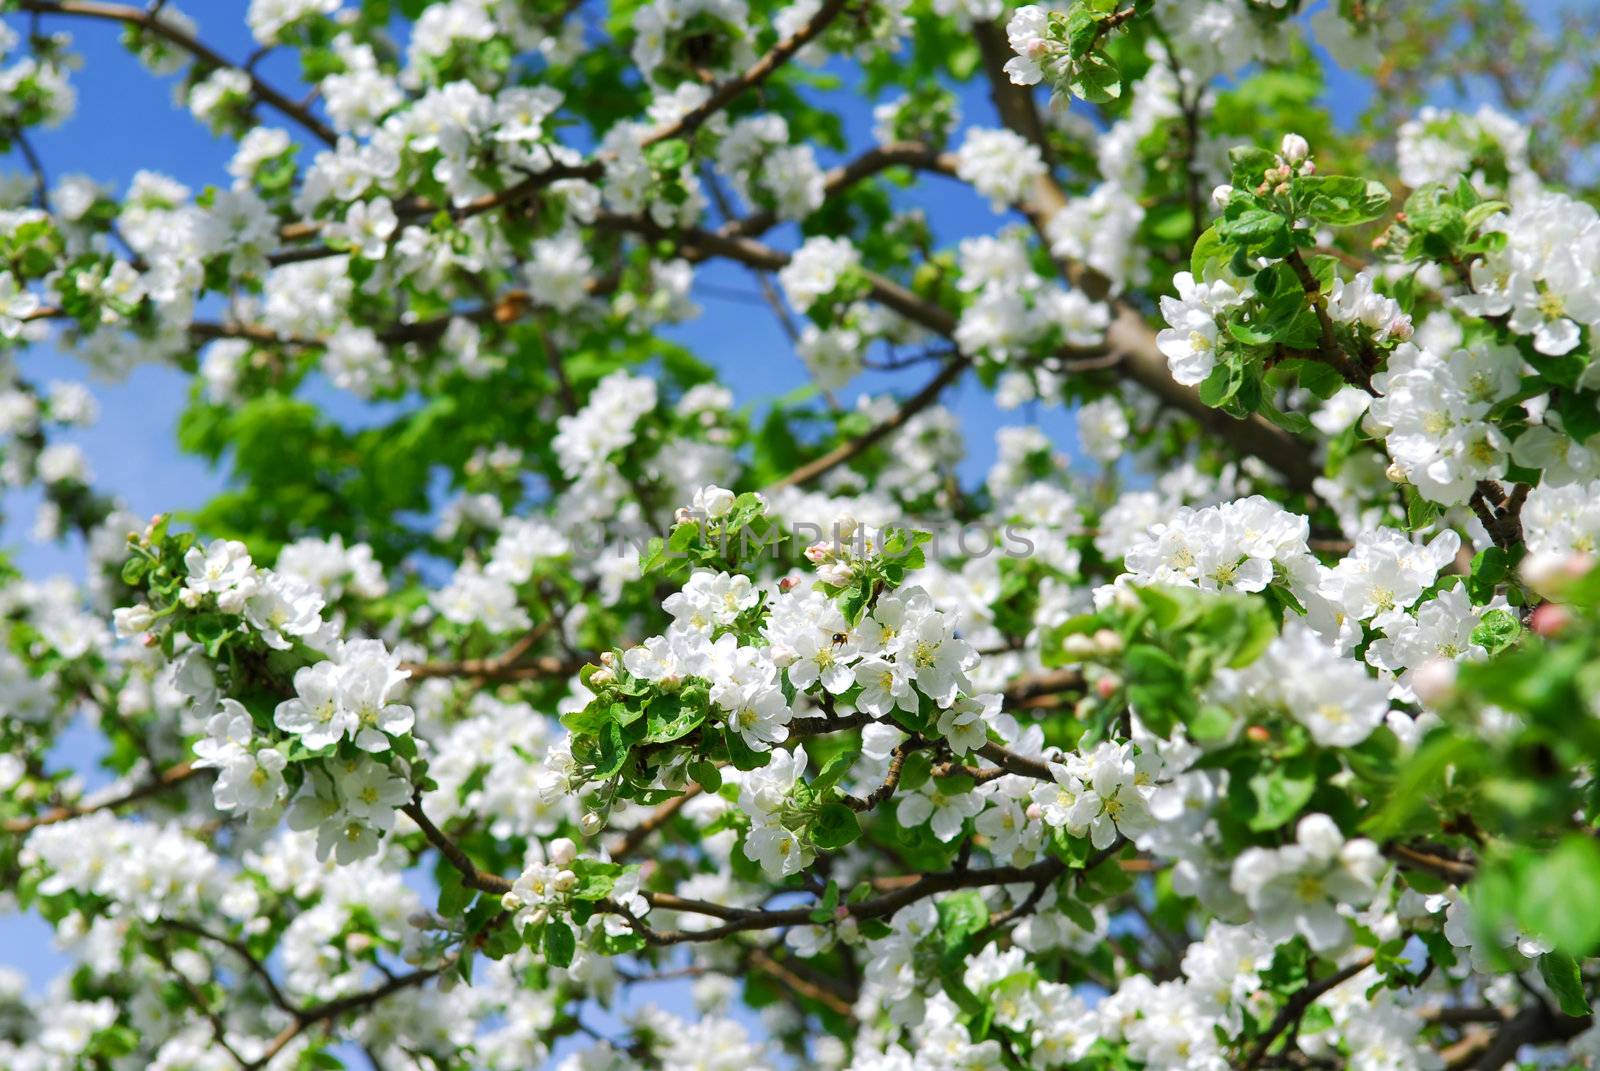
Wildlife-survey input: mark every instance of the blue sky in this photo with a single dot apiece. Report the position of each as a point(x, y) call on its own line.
point(126, 121)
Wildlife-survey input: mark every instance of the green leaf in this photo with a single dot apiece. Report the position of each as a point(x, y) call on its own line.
point(1280, 790)
point(612, 751)
point(1219, 386)
point(669, 718)
point(1156, 687)
point(1249, 164)
point(740, 753)
point(454, 897)
point(1096, 79)
point(683, 537)
point(1490, 567)
point(133, 570)
point(1497, 630)
point(834, 770)
point(1209, 250)
point(559, 943)
point(1580, 413)
point(595, 878)
point(706, 775)
point(834, 827)
point(1560, 972)
point(1342, 200)
point(961, 915)
point(668, 155)
point(1420, 512)
point(1254, 226)
point(1559, 893)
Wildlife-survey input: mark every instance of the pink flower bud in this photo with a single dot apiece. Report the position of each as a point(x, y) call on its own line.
point(1550, 619)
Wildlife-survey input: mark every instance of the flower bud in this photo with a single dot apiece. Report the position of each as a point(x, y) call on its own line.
point(564, 881)
point(1396, 473)
point(1107, 642)
point(591, 823)
point(1294, 148)
point(1258, 734)
point(563, 851)
point(511, 901)
point(1107, 686)
point(787, 584)
point(838, 574)
point(818, 552)
point(716, 501)
point(1434, 681)
point(1034, 812)
point(1222, 195)
point(1078, 645)
point(189, 597)
point(131, 620)
point(1550, 619)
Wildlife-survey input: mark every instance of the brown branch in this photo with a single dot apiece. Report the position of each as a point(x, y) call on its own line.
point(762, 961)
point(891, 780)
point(631, 840)
point(219, 1029)
point(332, 1009)
point(757, 73)
point(844, 452)
point(742, 920)
point(152, 21)
point(1021, 765)
point(1038, 685)
point(1298, 1005)
point(505, 666)
point(1329, 349)
point(471, 876)
point(593, 169)
point(242, 950)
point(1453, 870)
point(1129, 335)
point(1536, 1024)
point(161, 782)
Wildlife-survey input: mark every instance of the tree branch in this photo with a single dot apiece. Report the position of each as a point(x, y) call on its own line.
point(152, 21)
point(161, 782)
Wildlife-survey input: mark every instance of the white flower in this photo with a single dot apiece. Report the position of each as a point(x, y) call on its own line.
point(816, 268)
point(713, 502)
point(17, 304)
point(315, 714)
point(1000, 164)
point(1190, 338)
point(1301, 888)
point(946, 813)
point(885, 686)
point(281, 607)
